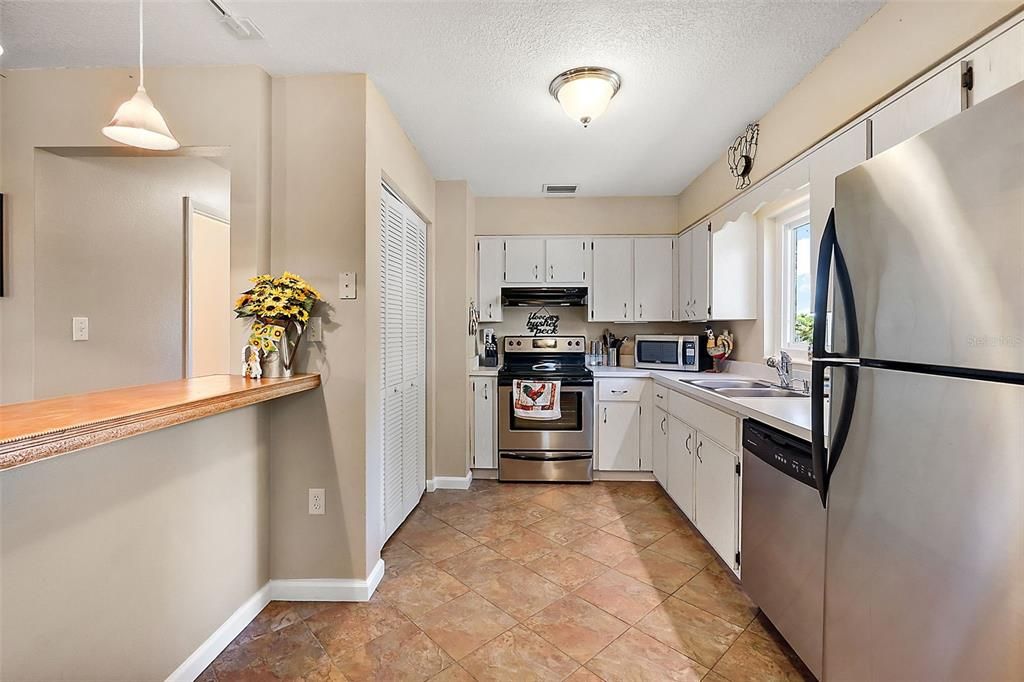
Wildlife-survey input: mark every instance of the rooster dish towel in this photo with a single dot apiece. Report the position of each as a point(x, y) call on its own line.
point(537, 399)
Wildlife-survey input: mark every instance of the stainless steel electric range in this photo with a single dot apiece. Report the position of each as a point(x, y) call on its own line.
point(547, 450)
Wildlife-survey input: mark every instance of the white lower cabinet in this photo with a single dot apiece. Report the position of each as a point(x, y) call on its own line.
point(618, 436)
point(485, 415)
point(681, 437)
point(717, 497)
point(659, 447)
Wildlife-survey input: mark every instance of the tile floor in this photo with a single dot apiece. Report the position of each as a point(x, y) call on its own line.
point(528, 582)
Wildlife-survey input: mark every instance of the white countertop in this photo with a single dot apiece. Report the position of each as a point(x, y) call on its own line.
point(792, 415)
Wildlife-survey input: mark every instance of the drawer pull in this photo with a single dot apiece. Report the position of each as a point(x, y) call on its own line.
point(620, 391)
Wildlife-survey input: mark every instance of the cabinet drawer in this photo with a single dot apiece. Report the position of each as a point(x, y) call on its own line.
point(630, 390)
point(661, 397)
point(720, 426)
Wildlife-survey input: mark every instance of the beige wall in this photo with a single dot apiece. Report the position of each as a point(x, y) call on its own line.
point(120, 560)
point(580, 215)
point(453, 280)
point(234, 112)
point(110, 246)
point(890, 49)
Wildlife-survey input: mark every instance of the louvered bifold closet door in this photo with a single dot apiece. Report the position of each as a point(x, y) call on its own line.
point(392, 264)
point(414, 359)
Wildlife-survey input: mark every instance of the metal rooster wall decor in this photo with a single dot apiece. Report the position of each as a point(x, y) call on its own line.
point(741, 156)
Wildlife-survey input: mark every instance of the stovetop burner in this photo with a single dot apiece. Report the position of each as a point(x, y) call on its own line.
point(550, 358)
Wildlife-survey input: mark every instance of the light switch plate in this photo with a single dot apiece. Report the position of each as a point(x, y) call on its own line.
point(79, 328)
point(347, 285)
point(315, 330)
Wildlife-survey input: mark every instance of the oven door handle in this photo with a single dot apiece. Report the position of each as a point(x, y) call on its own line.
point(546, 456)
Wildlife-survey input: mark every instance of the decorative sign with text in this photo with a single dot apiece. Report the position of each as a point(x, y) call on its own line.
point(542, 323)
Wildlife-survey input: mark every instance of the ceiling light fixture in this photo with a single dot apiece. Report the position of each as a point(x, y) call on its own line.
point(585, 92)
point(137, 123)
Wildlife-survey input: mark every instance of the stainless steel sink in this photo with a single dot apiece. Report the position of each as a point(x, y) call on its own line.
point(718, 384)
point(766, 392)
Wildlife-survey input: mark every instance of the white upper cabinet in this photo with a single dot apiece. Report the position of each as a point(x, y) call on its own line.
point(825, 165)
point(997, 65)
point(927, 105)
point(490, 263)
point(694, 247)
point(733, 256)
point(652, 278)
point(611, 290)
point(524, 261)
point(567, 260)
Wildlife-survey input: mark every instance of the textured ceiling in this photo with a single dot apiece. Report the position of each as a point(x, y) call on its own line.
point(468, 80)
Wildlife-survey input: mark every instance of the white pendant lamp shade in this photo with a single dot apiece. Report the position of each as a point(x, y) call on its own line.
point(137, 122)
point(585, 93)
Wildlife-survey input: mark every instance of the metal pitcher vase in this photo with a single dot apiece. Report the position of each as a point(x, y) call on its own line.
point(278, 364)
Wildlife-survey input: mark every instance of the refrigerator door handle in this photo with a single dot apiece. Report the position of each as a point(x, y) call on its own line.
point(828, 249)
point(824, 459)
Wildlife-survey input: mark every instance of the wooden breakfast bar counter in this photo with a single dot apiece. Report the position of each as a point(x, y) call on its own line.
point(41, 429)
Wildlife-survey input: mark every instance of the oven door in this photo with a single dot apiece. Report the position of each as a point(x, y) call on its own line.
point(574, 432)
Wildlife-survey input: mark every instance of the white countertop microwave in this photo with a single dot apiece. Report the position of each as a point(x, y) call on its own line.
point(686, 353)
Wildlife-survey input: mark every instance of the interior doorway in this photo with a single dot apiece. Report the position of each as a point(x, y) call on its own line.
point(207, 290)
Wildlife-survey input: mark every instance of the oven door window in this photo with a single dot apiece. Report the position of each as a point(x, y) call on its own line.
point(660, 352)
point(571, 420)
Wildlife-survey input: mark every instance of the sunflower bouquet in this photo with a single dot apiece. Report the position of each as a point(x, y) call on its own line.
point(278, 305)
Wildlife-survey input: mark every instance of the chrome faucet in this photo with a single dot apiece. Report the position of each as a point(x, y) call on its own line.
point(784, 366)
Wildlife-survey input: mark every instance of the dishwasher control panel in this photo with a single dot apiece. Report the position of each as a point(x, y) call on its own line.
point(788, 454)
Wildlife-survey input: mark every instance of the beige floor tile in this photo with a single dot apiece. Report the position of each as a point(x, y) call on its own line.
point(763, 627)
point(481, 525)
point(561, 529)
point(683, 546)
point(402, 654)
point(715, 593)
point(626, 598)
point(658, 515)
point(714, 677)
point(476, 566)
point(518, 591)
point(437, 544)
point(593, 514)
point(756, 659)
point(274, 616)
point(605, 547)
point(348, 624)
point(576, 627)
point(420, 588)
point(638, 657)
point(657, 570)
point(449, 510)
point(524, 513)
point(637, 531)
point(691, 631)
point(566, 568)
point(523, 545)
point(464, 624)
point(583, 675)
point(453, 673)
point(398, 556)
point(557, 499)
point(518, 654)
point(507, 495)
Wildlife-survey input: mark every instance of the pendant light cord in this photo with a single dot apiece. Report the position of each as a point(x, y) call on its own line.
point(142, 73)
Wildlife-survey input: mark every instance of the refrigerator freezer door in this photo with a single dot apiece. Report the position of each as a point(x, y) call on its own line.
point(924, 568)
point(933, 235)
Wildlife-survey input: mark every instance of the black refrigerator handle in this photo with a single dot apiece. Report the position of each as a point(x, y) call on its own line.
point(824, 459)
point(829, 248)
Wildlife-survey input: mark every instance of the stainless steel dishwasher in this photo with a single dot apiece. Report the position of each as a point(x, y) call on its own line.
point(783, 538)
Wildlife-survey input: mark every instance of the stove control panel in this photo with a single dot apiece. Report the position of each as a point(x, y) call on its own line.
point(545, 344)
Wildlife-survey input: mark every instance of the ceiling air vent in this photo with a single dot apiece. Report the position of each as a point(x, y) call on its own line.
point(559, 190)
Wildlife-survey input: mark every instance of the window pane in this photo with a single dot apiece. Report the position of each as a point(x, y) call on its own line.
point(799, 283)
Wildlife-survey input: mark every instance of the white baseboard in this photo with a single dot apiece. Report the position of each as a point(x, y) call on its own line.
point(195, 664)
point(327, 589)
point(449, 482)
point(313, 589)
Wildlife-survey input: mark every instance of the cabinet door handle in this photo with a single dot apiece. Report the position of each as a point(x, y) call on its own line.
point(660, 396)
point(490, 308)
point(606, 415)
point(641, 310)
point(700, 444)
point(625, 307)
point(688, 437)
point(663, 421)
point(536, 272)
point(551, 272)
point(485, 391)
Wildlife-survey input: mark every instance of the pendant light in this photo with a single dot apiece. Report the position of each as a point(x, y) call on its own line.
point(585, 92)
point(137, 123)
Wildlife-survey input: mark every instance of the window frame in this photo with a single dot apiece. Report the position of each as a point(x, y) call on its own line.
point(788, 222)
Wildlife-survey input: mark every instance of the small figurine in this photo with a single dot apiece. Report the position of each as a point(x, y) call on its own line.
point(719, 348)
point(251, 363)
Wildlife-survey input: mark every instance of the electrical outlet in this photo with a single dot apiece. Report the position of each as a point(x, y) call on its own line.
point(315, 330)
point(316, 501)
point(79, 328)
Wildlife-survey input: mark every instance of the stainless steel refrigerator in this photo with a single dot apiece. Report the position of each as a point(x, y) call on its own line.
point(922, 471)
